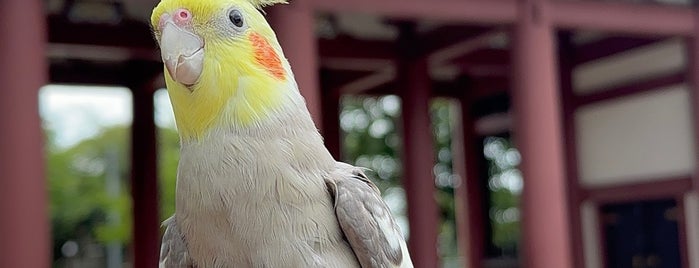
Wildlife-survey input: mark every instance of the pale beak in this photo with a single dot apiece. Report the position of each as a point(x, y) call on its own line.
point(182, 52)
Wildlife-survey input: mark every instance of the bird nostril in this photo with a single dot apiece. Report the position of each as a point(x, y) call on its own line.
point(182, 15)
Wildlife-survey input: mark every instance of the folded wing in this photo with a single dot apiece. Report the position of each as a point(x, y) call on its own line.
point(366, 220)
point(173, 250)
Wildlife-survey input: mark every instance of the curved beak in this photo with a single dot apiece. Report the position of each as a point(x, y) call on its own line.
point(182, 52)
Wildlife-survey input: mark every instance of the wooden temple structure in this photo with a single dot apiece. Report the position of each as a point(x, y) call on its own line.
point(536, 54)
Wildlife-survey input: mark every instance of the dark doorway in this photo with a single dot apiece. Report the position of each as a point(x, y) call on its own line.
point(641, 234)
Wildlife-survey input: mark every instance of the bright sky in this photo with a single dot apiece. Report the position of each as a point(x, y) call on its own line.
point(74, 113)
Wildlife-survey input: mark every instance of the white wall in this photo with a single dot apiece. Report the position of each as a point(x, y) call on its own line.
point(646, 62)
point(591, 235)
point(635, 138)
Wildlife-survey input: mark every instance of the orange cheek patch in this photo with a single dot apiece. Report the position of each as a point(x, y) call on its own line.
point(265, 56)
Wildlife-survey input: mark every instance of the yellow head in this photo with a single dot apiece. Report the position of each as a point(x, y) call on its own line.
point(223, 62)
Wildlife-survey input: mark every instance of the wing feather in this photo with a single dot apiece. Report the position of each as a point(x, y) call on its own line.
point(173, 250)
point(366, 220)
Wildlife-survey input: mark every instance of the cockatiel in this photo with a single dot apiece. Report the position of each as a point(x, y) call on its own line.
point(256, 187)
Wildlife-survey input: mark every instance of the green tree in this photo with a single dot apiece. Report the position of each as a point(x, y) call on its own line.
point(81, 206)
point(168, 157)
point(504, 185)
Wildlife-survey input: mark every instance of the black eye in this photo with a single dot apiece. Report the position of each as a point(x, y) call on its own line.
point(236, 18)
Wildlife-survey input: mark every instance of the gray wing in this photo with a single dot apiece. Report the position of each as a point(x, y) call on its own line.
point(173, 250)
point(366, 220)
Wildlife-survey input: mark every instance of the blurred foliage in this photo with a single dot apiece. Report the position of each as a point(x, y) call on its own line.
point(370, 137)
point(79, 203)
point(168, 157)
point(505, 186)
point(81, 206)
point(370, 127)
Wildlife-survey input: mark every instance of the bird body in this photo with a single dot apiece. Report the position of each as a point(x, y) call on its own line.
point(256, 187)
point(240, 216)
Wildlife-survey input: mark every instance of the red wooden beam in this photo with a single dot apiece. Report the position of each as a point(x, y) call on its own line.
point(24, 218)
point(631, 88)
point(586, 15)
point(485, 62)
point(128, 40)
point(335, 79)
point(65, 51)
point(485, 56)
point(622, 17)
point(581, 54)
point(653, 189)
point(128, 33)
point(445, 36)
point(363, 85)
point(348, 47)
point(438, 88)
point(427, 43)
point(475, 11)
point(101, 73)
point(486, 67)
point(495, 62)
point(385, 89)
point(486, 71)
point(482, 87)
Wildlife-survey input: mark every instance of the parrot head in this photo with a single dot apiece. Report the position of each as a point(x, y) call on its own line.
point(223, 63)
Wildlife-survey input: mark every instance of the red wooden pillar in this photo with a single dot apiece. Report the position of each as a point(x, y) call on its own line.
point(294, 25)
point(693, 74)
point(469, 198)
point(538, 132)
point(331, 116)
point(418, 155)
point(566, 67)
point(144, 178)
point(24, 223)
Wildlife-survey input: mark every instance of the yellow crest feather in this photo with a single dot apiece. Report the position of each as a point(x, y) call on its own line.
point(264, 3)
